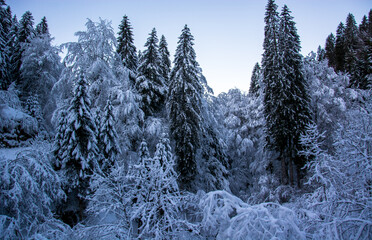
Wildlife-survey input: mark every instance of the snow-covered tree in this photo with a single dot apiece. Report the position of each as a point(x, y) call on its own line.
point(150, 83)
point(58, 147)
point(40, 70)
point(29, 192)
point(80, 151)
point(255, 85)
point(94, 55)
point(292, 108)
point(42, 27)
point(165, 62)
point(108, 138)
point(330, 50)
point(5, 24)
point(126, 48)
point(184, 106)
point(156, 200)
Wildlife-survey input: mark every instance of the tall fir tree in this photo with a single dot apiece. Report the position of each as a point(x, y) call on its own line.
point(80, 152)
point(26, 27)
point(165, 62)
point(42, 28)
point(126, 48)
point(150, 82)
point(330, 50)
point(272, 81)
point(293, 112)
point(340, 47)
point(184, 107)
point(58, 147)
point(255, 85)
point(351, 44)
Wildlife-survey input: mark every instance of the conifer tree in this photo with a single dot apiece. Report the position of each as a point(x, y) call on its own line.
point(330, 50)
point(293, 111)
point(80, 152)
point(150, 82)
point(255, 85)
point(58, 147)
point(351, 44)
point(126, 48)
point(165, 62)
point(5, 22)
point(184, 108)
point(272, 79)
point(108, 138)
point(42, 27)
point(340, 47)
point(26, 27)
point(15, 53)
point(320, 54)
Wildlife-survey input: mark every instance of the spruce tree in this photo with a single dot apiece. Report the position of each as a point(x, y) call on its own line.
point(5, 22)
point(340, 47)
point(293, 110)
point(58, 147)
point(351, 44)
point(108, 138)
point(255, 85)
point(273, 82)
point(126, 48)
point(26, 27)
point(165, 62)
point(330, 50)
point(150, 82)
point(15, 53)
point(184, 108)
point(42, 27)
point(79, 156)
point(320, 53)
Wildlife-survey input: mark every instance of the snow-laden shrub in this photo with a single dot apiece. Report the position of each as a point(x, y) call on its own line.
point(228, 217)
point(29, 189)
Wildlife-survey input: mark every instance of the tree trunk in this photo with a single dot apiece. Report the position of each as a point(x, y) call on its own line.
point(284, 172)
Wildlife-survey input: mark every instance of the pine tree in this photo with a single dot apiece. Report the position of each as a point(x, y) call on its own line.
point(165, 62)
point(126, 48)
point(255, 85)
point(108, 138)
point(364, 53)
point(80, 151)
point(330, 50)
point(184, 108)
point(150, 82)
point(340, 47)
point(42, 27)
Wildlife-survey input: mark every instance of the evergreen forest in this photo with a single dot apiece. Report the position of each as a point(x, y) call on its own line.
point(110, 142)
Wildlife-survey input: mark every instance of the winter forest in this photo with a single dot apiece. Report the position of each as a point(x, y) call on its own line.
point(113, 143)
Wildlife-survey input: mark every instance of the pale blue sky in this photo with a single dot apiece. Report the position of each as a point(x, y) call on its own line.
point(228, 33)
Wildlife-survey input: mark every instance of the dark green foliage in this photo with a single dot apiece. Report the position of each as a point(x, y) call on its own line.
point(330, 50)
point(255, 85)
point(286, 98)
point(126, 48)
point(42, 27)
point(165, 62)
point(150, 82)
point(184, 108)
point(5, 25)
point(351, 45)
point(340, 47)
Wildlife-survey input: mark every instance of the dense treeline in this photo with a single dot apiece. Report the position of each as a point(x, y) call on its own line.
point(115, 143)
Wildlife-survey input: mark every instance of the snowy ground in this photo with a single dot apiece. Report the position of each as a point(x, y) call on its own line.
point(10, 153)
